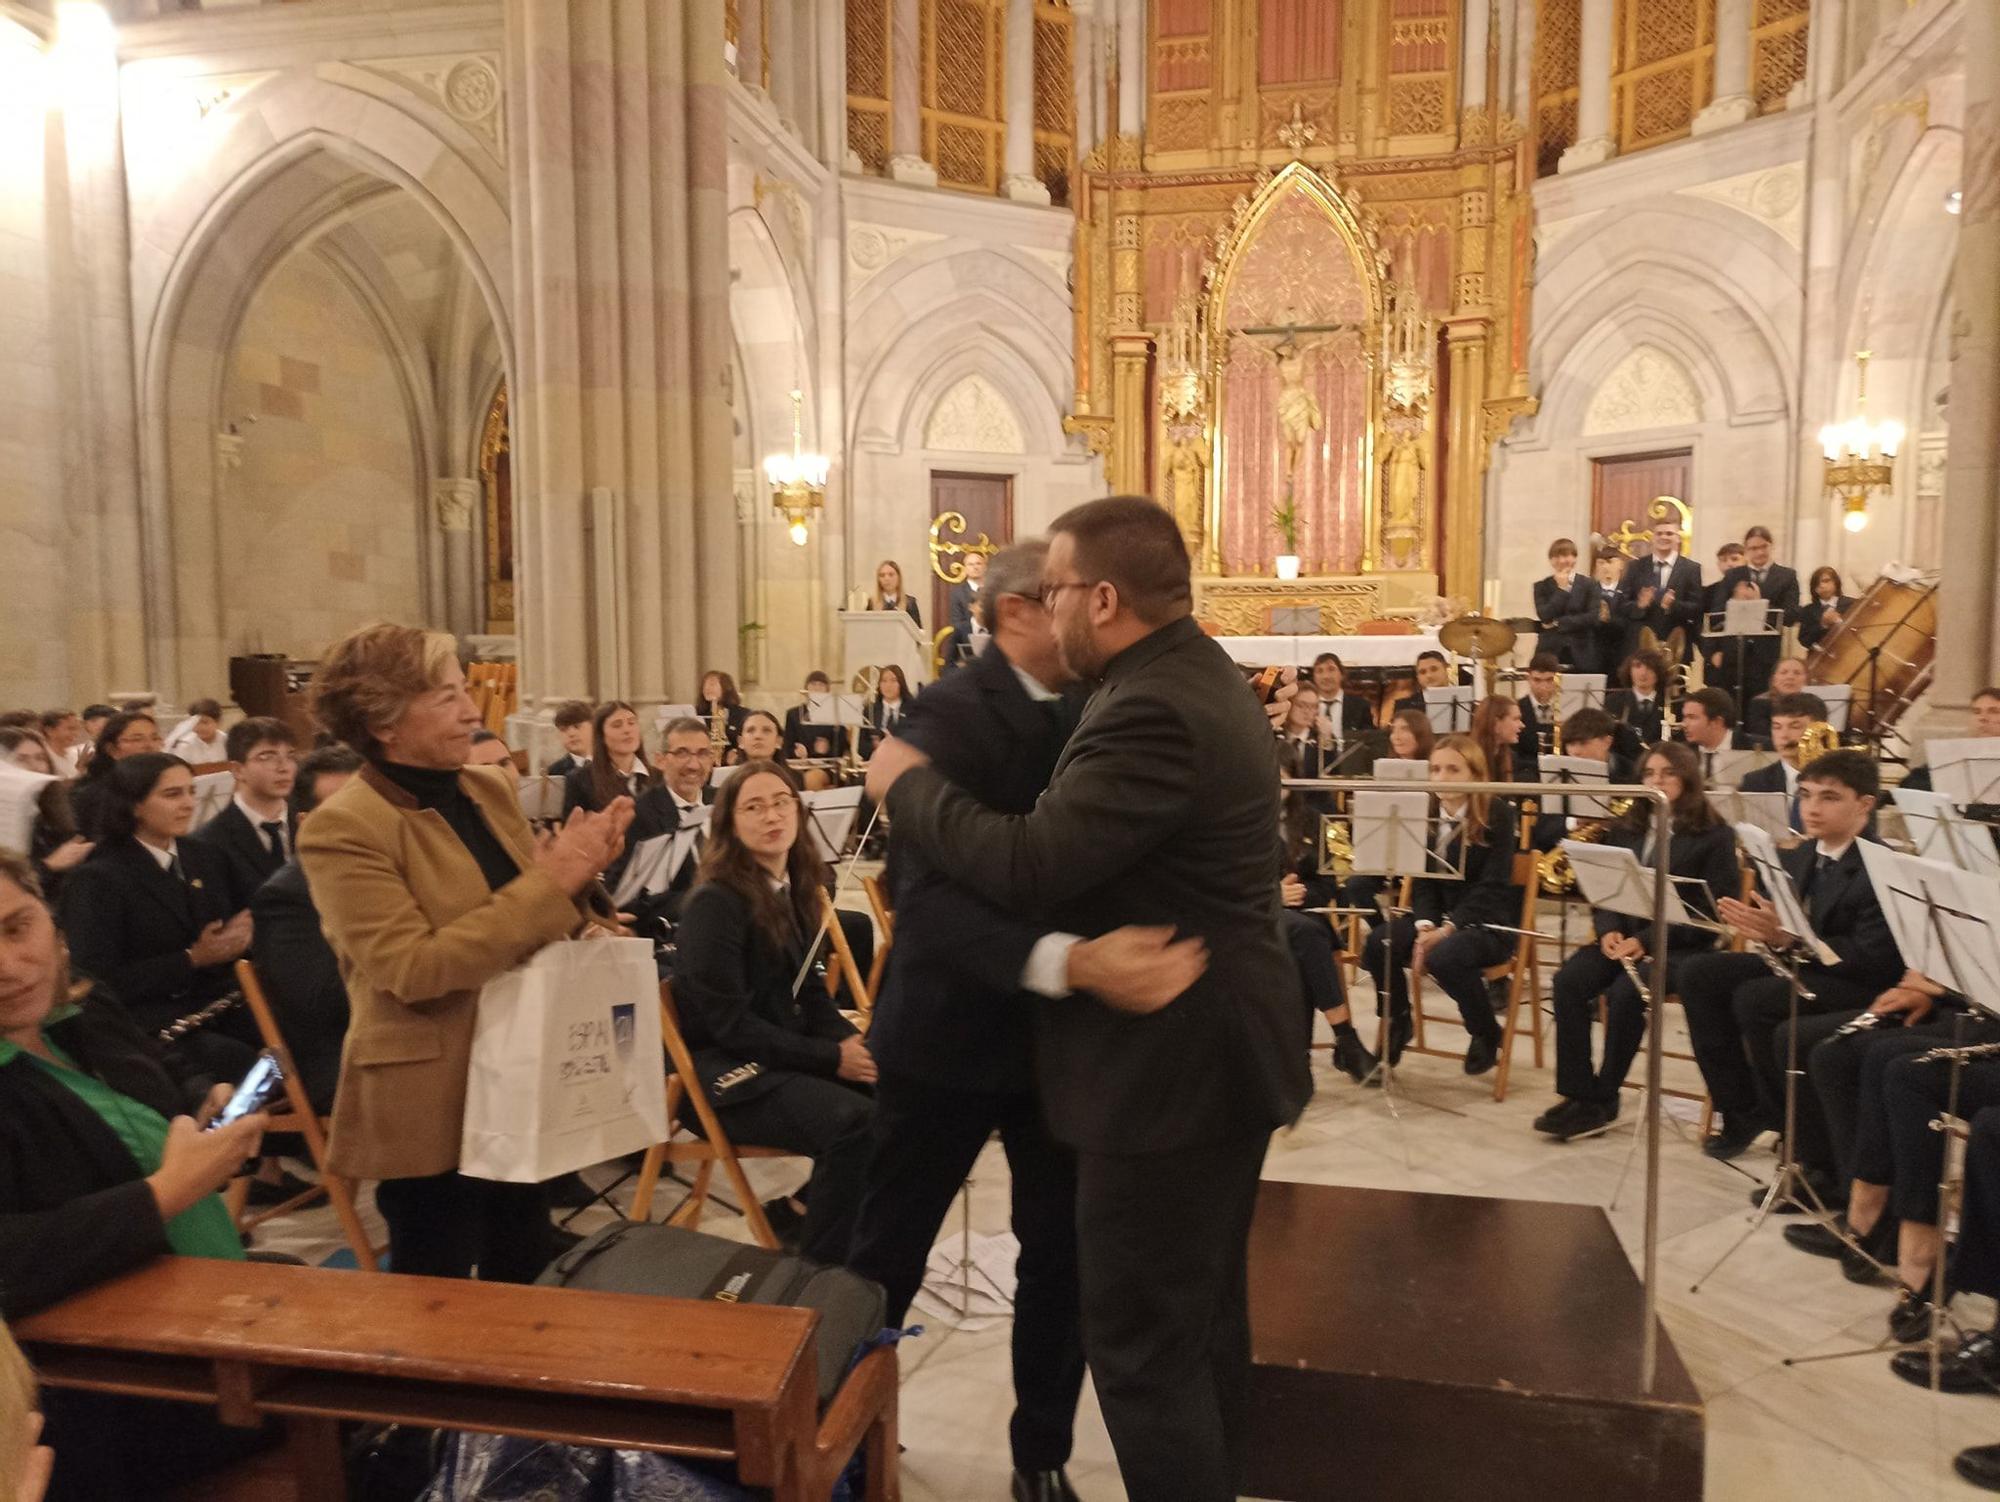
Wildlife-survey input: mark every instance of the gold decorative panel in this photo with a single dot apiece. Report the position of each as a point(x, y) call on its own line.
point(1778, 51)
point(1179, 123)
point(1558, 36)
point(868, 81)
point(1242, 607)
point(868, 136)
point(1055, 95)
point(1416, 106)
point(961, 92)
point(961, 80)
point(1663, 68)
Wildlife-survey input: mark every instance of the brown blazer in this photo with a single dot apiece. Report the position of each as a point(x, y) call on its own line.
point(417, 933)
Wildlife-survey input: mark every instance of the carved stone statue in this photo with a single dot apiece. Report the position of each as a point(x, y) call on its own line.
point(1186, 495)
point(1299, 416)
point(1403, 471)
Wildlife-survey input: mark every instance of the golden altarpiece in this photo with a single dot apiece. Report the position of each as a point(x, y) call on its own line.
point(1301, 302)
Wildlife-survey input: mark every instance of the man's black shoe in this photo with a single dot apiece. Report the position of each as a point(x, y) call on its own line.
point(1878, 1252)
point(1043, 1486)
point(1733, 1138)
point(1553, 1120)
point(1819, 1240)
point(1401, 1030)
point(1351, 1056)
point(1980, 1465)
point(1481, 1054)
point(1594, 1117)
point(1973, 1365)
point(1910, 1320)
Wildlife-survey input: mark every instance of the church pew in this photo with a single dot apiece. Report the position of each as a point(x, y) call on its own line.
point(314, 1347)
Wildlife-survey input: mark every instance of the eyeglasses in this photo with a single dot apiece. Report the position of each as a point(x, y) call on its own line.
point(274, 758)
point(684, 753)
point(1051, 592)
point(756, 808)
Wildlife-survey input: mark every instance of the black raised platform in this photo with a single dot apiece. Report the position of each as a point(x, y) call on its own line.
point(1442, 1346)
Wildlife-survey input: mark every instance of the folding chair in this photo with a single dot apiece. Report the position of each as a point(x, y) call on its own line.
point(1524, 980)
point(309, 1125)
point(859, 987)
point(1748, 889)
point(885, 919)
point(712, 1146)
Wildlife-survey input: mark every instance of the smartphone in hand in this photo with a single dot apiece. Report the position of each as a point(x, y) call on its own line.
point(262, 1085)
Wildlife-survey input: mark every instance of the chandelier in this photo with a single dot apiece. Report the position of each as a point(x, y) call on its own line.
point(797, 479)
point(1860, 455)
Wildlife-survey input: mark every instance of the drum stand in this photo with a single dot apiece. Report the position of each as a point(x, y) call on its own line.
point(1789, 1183)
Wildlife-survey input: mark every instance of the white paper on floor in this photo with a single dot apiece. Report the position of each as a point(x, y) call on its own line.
point(975, 1296)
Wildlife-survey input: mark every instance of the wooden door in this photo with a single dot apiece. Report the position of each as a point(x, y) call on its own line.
point(1623, 487)
point(987, 504)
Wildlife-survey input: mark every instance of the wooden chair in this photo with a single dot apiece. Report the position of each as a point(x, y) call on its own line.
point(1523, 973)
point(1748, 889)
point(860, 987)
point(885, 920)
point(711, 1147)
point(309, 1125)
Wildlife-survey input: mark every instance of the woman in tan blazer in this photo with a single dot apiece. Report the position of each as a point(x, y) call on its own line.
point(429, 884)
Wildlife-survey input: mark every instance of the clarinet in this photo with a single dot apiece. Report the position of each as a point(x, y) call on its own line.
point(180, 1027)
point(1967, 1053)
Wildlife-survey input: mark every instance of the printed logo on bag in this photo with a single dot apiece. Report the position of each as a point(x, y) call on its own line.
point(625, 1028)
point(732, 1291)
point(587, 1052)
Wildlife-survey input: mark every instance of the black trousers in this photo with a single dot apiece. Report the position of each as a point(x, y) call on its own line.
point(1454, 965)
point(926, 1138)
point(825, 1120)
point(1975, 1261)
point(1914, 1096)
point(1846, 1079)
point(1163, 1244)
point(1583, 978)
point(1733, 1004)
point(1315, 954)
point(447, 1225)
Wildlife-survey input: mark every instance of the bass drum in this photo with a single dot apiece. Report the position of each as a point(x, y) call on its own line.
point(1884, 648)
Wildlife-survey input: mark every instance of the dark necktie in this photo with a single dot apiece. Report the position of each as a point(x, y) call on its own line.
point(174, 865)
point(1757, 574)
point(274, 836)
point(1815, 888)
point(1708, 765)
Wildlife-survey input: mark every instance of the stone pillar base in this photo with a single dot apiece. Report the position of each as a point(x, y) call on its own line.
point(1720, 114)
point(1589, 153)
point(1027, 189)
point(912, 169)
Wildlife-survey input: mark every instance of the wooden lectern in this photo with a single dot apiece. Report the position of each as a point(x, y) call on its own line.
point(875, 638)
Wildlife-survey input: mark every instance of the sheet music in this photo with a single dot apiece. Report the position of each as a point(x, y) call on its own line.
point(655, 863)
point(720, 775)
point(1762, 852)
point(1966, 771)
point(1396, 769)
point(1941, 833)
point(20, 805)
point(542, 798)
point(1946, 921)
point(1581, 691)
point(830, 813)
point(1770, 812)
point(1391, 833)
point(212, 793)
point(668, 713)
point(1610, 877)
point(1575, 771)
point(836, 709)
point(1838, 699)
point(1731, 767)
point(1746, 618)
point(1450, 709)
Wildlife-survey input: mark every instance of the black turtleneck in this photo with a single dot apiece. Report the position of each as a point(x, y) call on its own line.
point(439, 790)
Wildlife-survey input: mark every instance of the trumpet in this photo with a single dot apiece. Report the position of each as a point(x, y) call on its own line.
point(1336, 846)
point(1556, 719)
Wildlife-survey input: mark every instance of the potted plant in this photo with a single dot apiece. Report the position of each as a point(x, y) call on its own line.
point(1285, 522)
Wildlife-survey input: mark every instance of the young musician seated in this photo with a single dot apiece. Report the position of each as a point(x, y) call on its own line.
point(63, 730)
point(1588, 735)
point(1442, 934)
point(1540, 712)
point(1702, 847)
point(687, 757)
point(295, 964)
point(1432, 672)
point(1734, 1003)
point(1823, 611)
point(1311, 936)
point(761, 738)
point(198, 740)
point(885, 707)
point(1985, 723)
point(1566, 608)
point(149, 914)
point(1305, 741)
point(53, 843)
point(489, 750)
point(1708, 725)
point(805, 740)
point(783, 1068)
point(573, 730)
point(718, 693)
point(1639, 705)
point(103, 1167)
point(1498, 726)
point(617, 766)
point(1789, 716)
point(1410, 739)
point(121, 735)
point(1345, 715)
point(1788, 676)
point(253, 835)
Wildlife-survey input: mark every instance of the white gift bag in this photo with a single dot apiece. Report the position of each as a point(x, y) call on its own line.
point(567, 1063)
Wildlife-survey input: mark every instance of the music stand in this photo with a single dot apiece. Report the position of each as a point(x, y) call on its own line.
point(1450, 709)
point(1744, 621)
point(1770, 812)
point(541, 798)
point(656, 862)
point(1967, 771)
point(830, 814)
point(1581, 691)
point(1575, 771)
point(1941, 833)
point(1838, 699)
point(666, 714)
point(1732, 766)
point(1397, 769)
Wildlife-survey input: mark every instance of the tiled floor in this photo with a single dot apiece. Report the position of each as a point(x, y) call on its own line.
point(1844, 1429)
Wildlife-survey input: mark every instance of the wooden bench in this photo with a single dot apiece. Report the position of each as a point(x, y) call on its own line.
point(313, 1346)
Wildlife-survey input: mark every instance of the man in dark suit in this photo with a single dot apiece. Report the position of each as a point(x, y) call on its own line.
point(1708, 725)
point(1432, 672)
point(952, 1026)
point(1346, 716)
point(295, 964)
point(1779, 588)
point(1662, 592)
point(1790, 714)
point(1734, 1004)
point(963, 604)
point(1541, 709)
point(253, 835)
point(687, 757)
point(1161, 813)
point(573, 729)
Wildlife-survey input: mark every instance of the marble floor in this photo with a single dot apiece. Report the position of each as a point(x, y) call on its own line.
point(1845, 1429)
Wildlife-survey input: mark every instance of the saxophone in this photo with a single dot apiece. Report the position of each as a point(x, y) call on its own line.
point(1556, 876)
point(718, 728)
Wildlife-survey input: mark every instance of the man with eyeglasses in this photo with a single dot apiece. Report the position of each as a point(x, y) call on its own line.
point(687, 757)
point(254, 833)
point(1159, 815)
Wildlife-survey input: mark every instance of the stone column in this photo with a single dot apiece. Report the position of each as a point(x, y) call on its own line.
point(1506, 36)
point(1131, 68)
point(617, 163)
point(454, 502)
point(784, 62)
point(1594, 139)
point(750, 43)
point(906, 96)
point(1524, 59)
point(1018, 162)
point(1472, 62)
point(1732, 104)
point(1083, 52)
point(1826, 47)
point(1968, 613)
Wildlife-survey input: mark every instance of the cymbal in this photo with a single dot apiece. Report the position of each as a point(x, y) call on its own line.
point(1477, 636)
